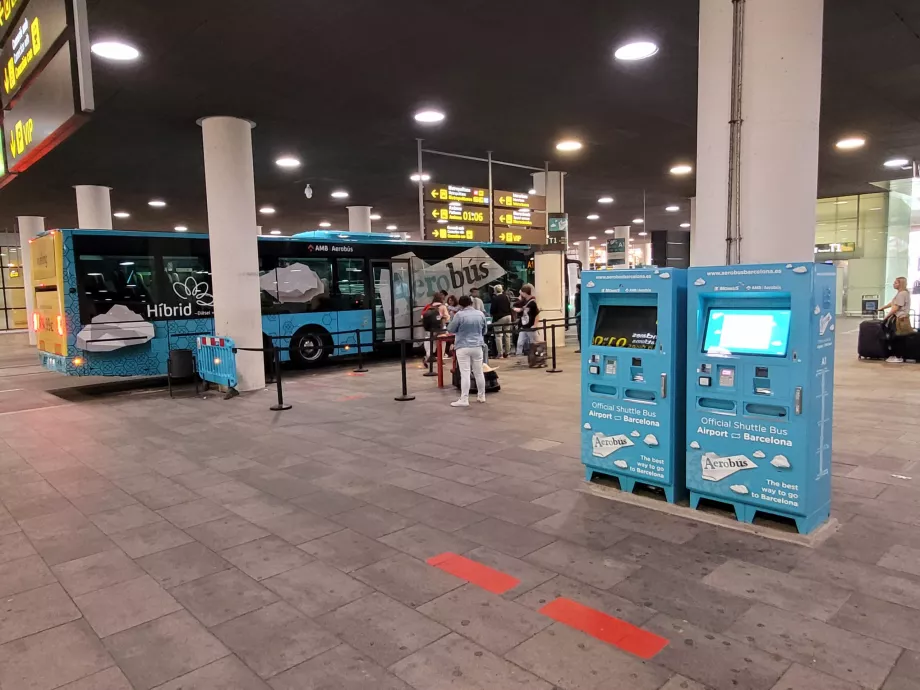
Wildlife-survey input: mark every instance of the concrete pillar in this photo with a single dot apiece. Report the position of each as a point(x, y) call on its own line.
point(584, 254)
point(30, 227)
point(549, 286)
point(554, 191)
point(94, 207)
point(781, 94)
point(234, 252)
point(359, 218)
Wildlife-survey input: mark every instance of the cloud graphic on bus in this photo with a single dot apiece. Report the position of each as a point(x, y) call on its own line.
point(119, 327)
point(193, 290)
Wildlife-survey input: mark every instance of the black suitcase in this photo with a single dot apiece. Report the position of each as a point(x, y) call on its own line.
point(872, 342)
point(536, 357)
point(911, 347)
point(492, 383)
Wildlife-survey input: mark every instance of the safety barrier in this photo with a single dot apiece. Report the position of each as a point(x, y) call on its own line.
point(216, 361)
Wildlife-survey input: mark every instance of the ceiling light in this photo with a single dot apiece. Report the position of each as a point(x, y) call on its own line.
point(424, 178)
point(605, 200)
point(288, 162)
point(156, 203)
point(851, 143)
point(593, 216)
point(569, 145)
point(115, 50)
point(392, 227)
point(638, 50)
point(267, 210)
point(638, 221)
point(325, 224)
point(274, 232)
point(643, 234)
point(126, 263)
point(592, 237)
point(877, 208)
point(121, 214)
point(181, 228)
point(672, 208)
point(406, 235)
point(339, 194)
point(840, 203)
point(429, 116)
point(897, 163)
point(609, 231)
point(682, 169)
point(442, 221)
point(531, 191)
point(685, 225)
point(375, 216)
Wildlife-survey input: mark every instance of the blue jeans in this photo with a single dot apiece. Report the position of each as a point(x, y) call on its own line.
point(525, 338)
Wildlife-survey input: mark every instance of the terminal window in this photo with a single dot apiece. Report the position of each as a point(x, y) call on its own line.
point(747, 332)
point(634, 327)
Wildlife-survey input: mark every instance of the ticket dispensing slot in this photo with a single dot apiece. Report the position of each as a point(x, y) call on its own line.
point(762, 381)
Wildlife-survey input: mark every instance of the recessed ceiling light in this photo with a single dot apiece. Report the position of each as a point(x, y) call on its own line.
point(325, 224)
point(569, 145)
point(126, 263)
point(840, 203)
point(288, 162)
point(424, 178)
point(274, 232)
point(267, 210)
point(638, 221)
point(429, 116)
point(339, 194)
point(605, 200)
point(156, 203)
point(121, 214)
point(442, 221)
point(115, 50)
point(531, 191)
point(851, 143)
point(638, 50)
point(877, 208)
point(392, 227)
point(685, 225)
point(181, 228)
point(897, 163)
point(672, 208)
point(609, 231)
point(592, 237)
point(681, 169)
point(375, 216)
point(593, 216)
point(643, 234)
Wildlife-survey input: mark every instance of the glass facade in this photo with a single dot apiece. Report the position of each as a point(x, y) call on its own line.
point(12, 290)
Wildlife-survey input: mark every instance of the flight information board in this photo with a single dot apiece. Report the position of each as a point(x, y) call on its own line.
point(534, 202)
point(31, 39)
point(465, 195)
point(456, 212)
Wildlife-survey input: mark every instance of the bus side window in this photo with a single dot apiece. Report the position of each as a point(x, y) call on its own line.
point(349, 287)
point(304, 285)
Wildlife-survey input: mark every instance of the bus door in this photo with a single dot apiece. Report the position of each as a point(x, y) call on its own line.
point(392, 300)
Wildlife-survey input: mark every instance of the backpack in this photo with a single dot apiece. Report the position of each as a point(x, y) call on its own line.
point(431, 317)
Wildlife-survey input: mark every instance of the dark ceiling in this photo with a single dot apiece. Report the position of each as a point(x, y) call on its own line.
point(336, 83)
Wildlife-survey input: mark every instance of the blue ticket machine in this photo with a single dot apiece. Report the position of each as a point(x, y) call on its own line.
point(633, 372)
point(760, 389)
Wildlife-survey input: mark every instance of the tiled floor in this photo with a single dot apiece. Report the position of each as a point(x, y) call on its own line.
point(203, 544)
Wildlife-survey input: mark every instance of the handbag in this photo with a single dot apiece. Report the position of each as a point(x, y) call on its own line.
point(903, 326)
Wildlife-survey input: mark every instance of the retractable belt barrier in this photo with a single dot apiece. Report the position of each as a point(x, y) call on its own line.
point(216, 361)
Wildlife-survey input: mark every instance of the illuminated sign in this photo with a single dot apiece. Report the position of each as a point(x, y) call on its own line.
point(558, 229)
point(460, 233)
point(835, 248)
point(519, 218)
point(43, 115)
point(520, 236)
point(455, 212)
point(465, 195)
point(520, 200)
point(7, 11)
point(32, 38)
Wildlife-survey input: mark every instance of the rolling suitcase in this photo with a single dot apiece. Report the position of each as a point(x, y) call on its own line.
point(536, 357)
point(872, 342)
point(911, 347)
point(492, 383)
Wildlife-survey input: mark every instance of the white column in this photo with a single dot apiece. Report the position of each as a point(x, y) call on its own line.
point(781, 94)
point(232, 226)
point(584, 255)
point(30, 227)
point(549, 286)
point(94, 207)
point(554, 191)
point(359, 218)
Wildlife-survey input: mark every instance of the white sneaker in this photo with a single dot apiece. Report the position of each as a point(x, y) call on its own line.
point(895, 360)
point(460, 403)
point(481, 399)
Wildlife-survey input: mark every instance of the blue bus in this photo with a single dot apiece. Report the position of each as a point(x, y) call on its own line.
point(115, 303)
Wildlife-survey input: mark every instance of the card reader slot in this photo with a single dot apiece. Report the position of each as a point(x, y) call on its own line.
point(640, 395)
point(717, 404)
point(761, 410)
point(599, 389)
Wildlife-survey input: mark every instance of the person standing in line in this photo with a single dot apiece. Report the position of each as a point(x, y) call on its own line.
point(469, 329)
point(898, 322)
point(578, 314)
point(477, 302)
point(500, 310)
point(529, 316)
point(434, 318)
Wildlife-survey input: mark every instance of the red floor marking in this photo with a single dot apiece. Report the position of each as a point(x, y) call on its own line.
point(606, 628)
point(488, 578)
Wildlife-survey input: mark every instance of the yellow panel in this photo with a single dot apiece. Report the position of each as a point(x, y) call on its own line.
point(47, 257)
point(51, 329)
point(46, 254)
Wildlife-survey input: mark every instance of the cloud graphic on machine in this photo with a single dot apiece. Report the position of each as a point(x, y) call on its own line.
point(739, 489)
point(635, 434)
point(800, 269)
point(651, 440)
point(699, 281)
point(119, 327)
point(587, 425)
point(781, 462)
point(695, 445)
point(759, 454)
point(194, 291)
point(295, 283)
point(622, 464)
point(817, 309)
point(591, 284)
point(664, 276)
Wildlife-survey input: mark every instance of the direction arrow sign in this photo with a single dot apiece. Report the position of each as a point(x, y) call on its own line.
point(520, 200)
point(519, 218)
point(456, 212)
point(459, 232)
point(466, 195)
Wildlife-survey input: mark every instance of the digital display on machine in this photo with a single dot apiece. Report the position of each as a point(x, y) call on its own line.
point(634, 327)
point(747, 332)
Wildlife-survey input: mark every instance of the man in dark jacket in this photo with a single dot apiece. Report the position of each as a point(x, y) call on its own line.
point(501, 322)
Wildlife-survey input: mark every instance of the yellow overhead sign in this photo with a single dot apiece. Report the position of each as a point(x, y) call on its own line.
point(465, 195)
point(455, 212)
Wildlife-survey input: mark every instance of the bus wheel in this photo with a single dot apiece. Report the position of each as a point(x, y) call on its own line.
point(311, 347)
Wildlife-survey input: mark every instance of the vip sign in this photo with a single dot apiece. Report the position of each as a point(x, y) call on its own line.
point(603, 446)
point(716, 469)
